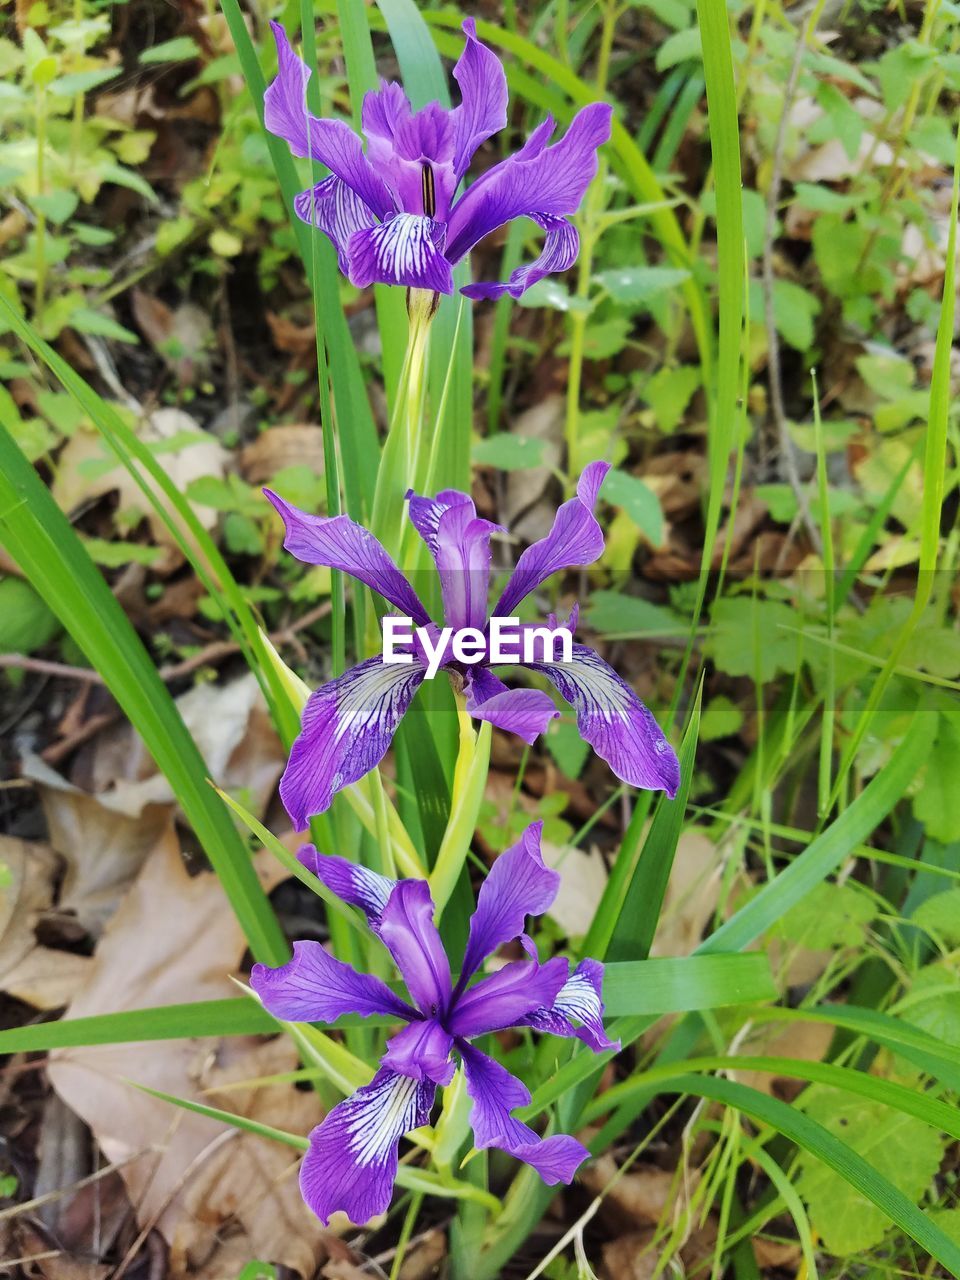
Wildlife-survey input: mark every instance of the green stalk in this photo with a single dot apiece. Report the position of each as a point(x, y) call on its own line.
point(934, 467)
point(41, 229)
point(469, 780)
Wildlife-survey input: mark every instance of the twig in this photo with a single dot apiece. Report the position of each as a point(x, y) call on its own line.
point(774, 380)
point(199, 1159)
point(28, 1205)
point(211, 653)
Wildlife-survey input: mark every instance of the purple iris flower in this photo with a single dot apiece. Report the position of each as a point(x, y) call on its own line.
point(349, 723)
point(351, 1163)
point(392, 210)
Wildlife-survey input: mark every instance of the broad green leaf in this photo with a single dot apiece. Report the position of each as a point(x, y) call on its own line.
point(940, 915)
point(753, 637)
point(721, 719)
point(639, 502)
point(668, 393)
point(508, 452)
point(635, 286)
point(179, 49)
point(26, 622)
point(830, 916)
point(897, 1147)
point(567, 746)
point(612, 613)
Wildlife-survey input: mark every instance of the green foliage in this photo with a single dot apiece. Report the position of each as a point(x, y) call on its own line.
point(26, 622)
point(902, 1149)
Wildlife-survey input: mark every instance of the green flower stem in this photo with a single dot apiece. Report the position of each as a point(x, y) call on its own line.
point(401, 453)
point(469, 780)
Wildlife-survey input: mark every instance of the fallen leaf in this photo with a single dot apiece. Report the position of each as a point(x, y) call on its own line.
point(84, 473)
point(179, 334)
point(638, 1198)
point(583, 877)
point(693, 891)
point(232, 729)
point(281, 447)
point(175, 939)
point(103, 849)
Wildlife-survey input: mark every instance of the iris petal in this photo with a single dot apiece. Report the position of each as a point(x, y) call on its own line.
point(495, 1093)
point(614, 721)
point(405, 249)
point(346, 729)
point(351, 1164)
point(408, 932)
point(518, 885)
point(338, 211)
point(316, 987)
point(579, 998)
point(340, 543)
point(332, 142)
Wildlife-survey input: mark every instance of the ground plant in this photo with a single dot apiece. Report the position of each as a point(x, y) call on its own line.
point(479, 641)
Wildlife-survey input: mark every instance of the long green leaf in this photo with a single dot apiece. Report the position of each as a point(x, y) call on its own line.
point(836, 1155)
point(41, 540)
point(682, 983)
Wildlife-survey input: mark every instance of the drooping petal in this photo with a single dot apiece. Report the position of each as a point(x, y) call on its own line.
point(538, 179)
point(351, 882)
point(559, 253)
point(614, 721)
point(333, 207)
point(421, 1051)
point(406, 249)
point(575, 539)
point(339, 543)
point(346, 729)
point(351, 1164)
point(506, 998)
point(316, 987)
point(518, 885)
point(408, 932)
point(459, 541)
point(495, 1093)
point(579, 998)
point(483, 92)
point(332, 142)
point(525, 712)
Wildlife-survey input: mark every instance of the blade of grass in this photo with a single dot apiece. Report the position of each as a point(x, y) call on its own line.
point(682, 983)
point(43, 543)
point(934, 468)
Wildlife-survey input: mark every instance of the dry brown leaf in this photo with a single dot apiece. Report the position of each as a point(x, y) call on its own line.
point(583, 876)
point(175, 939)
point(280, 447)
point(292, 338)
point(179, 335)
point(639, 1198)
point(229, 724)
point(81, 474)
point(103, 849)
point(631, 1257)
point(692, 894)
point(526, 511)
point(809, 1041)
point(47, 979)
point(424, 1258)
point(26, 893)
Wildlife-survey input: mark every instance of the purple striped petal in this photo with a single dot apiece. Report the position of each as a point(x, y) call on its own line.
point(614, 721)
point(351, 1164)
point(459, 541)
point(405, 249)
point(316, 987)
point(579, 998)
point(495, 1093)
point(352, 883)
point(525, 712)
point(332, 142)
point(333, 207)
point(421, 1051)
point(408, 932)
point(506, 998)
point(559, 253)
point(537, 180)
point(346, 729)
point(575, 539)
point(339, 543)
point(518, 885)
point(483, 93)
